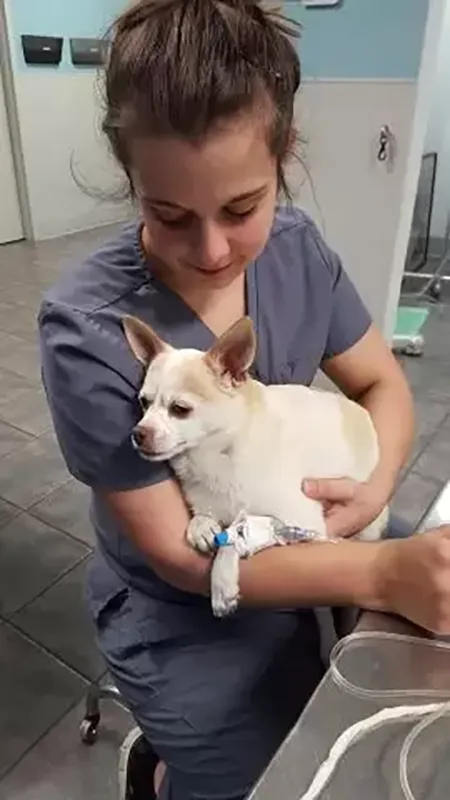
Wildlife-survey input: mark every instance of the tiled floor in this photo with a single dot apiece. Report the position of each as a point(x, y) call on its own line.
point(47, 654)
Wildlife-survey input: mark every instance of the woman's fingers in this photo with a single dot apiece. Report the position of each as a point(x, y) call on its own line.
point(333, 490)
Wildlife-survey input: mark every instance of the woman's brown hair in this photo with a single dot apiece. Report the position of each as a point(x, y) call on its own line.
point(183, 67)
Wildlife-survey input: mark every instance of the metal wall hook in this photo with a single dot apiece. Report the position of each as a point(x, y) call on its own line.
point(385, 141)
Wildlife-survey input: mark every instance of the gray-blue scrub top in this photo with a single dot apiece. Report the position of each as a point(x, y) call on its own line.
point(304, 307)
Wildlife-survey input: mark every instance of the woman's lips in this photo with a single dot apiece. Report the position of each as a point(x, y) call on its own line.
point(212, 271)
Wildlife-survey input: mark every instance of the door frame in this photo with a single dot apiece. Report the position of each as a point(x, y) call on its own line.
point(427, 73)
point(12, 116)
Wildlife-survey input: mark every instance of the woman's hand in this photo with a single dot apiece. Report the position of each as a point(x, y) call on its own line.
point(349, 506)
point(413, 576)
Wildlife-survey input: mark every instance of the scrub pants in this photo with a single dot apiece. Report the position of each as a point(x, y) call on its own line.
point(215, 698)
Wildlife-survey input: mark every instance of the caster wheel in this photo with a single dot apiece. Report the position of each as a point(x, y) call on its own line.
point(414, 350)
point(89, 731)
point(435, 290)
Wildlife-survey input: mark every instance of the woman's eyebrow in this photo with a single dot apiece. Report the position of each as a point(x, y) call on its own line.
point(154, 201)
point(248, 195)
point(252, 194)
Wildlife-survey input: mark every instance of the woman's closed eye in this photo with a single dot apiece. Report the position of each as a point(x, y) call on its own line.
point(238, 214)
point(173, 222)
point(185, 220)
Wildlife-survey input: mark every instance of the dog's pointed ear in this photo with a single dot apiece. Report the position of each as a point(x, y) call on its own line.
point(143, 340)
point(233, 353)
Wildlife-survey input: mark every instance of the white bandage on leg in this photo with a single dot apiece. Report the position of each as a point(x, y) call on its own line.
point(246, 536)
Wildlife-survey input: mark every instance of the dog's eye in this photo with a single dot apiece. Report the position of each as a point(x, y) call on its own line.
point(180, 410)
point(145, 402)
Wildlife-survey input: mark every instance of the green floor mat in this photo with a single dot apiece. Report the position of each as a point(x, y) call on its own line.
point(410, 320)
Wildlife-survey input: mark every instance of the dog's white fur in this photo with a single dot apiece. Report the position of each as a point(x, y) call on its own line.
point(240, 445)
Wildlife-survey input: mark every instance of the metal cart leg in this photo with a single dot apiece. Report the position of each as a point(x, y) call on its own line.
point(90, 724)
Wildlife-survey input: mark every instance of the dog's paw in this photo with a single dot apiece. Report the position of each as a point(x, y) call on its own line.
point(223, 605)
point(201, 532)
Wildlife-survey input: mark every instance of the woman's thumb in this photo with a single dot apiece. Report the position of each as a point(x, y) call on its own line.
point(338, 490)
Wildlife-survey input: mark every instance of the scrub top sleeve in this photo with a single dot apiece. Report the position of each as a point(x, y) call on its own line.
point(349, 319)
point(91, 390)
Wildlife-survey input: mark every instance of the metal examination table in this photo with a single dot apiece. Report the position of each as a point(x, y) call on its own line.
point(370, 769)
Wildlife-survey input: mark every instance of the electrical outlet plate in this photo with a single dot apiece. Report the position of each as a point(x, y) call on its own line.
point(38, 50)
point(88, 52)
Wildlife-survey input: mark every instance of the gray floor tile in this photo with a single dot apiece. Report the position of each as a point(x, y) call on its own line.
point(27, 296)
point(13, 386)
point(59, 620)
point(60, 768)
point(29, 412)
point(20, 356)
point(413, 498)
point(430, 414)
point(35, 692)
point(32, 472)
point(11, 439)
point(432, 380)
point(434, 462)
point(7, 512)
point(33, 556)
point(429, 381)
point(67, 508)
point(418, 447)
point(18, 320)
point(437, 333)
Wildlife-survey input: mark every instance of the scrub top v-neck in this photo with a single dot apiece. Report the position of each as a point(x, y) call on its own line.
point(302, 303)
point(189, 325)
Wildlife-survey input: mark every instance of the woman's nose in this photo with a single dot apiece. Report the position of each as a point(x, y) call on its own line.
point(213, 249)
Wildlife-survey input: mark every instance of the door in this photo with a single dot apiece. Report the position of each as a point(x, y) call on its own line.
point(10, 218)
point(362, 61)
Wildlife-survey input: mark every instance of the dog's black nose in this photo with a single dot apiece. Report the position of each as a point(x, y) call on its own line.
point(138, 437)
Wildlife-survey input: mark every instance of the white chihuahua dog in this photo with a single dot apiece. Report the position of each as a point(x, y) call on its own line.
point(237, 445)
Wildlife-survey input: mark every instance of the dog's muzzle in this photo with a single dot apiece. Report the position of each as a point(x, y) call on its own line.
point(137, 438)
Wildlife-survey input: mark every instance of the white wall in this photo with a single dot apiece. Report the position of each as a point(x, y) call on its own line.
point(355, 200)
point(438, 132)
point(59, 116)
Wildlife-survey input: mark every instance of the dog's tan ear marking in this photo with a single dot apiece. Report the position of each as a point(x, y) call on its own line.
point(143, 340)
point(234, 351)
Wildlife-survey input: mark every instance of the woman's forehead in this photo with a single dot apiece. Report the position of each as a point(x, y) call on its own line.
point(227, 164)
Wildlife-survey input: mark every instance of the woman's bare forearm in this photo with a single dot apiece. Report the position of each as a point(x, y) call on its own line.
point(341, 574)
point(345, 573)
point(303, 575)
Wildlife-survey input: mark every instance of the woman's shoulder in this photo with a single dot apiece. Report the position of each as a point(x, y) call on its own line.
point(107, 274)
point(295, 244)
point(80, 318)
point(290, 219)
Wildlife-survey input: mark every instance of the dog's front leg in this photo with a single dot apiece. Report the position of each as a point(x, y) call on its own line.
point(225, 581)
point(201, 532)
